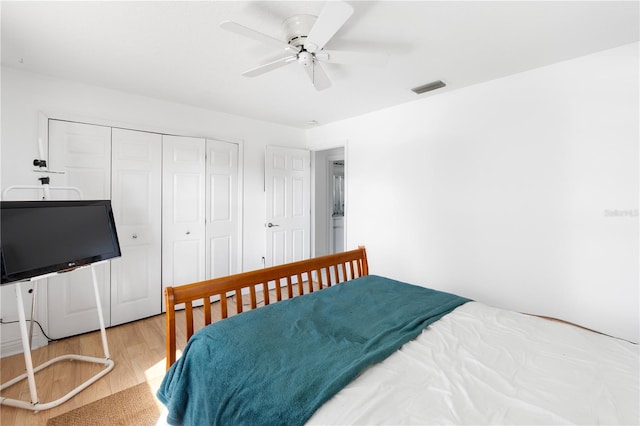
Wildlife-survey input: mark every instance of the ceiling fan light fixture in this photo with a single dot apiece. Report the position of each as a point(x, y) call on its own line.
point(428, 87)
point(305, 58)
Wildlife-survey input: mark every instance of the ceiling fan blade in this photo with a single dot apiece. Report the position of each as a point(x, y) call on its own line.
point(352, 58)
point(331, 19)
point(234, 27)
point(318, 77)
point(269, 66)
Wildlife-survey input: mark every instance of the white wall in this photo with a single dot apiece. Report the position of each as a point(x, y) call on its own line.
point(24, 95)
point(505, 191)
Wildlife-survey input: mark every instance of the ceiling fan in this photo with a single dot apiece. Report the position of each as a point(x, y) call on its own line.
point(305, 38)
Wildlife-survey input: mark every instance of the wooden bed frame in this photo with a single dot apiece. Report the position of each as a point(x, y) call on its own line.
point(323, 271)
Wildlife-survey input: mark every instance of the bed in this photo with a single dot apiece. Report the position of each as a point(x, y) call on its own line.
point(335, 345)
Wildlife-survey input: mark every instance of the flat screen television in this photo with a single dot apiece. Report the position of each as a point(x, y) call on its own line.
point(41, 237)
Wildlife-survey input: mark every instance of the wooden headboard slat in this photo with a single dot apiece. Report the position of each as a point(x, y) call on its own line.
point(278, 285)
point(189, 318)
point(252, 293)
point(170, 324)
point(289, 288)
point(247, 282)
point(238, 301)
point(265, 292)
point(223, 306)
point(207, 310)
point(309, 281)
point(300, 288)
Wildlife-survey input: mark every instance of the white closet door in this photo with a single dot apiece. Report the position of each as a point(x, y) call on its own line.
point(136, 290)
point(222, 209)
point(183, 224)
point(83, 153)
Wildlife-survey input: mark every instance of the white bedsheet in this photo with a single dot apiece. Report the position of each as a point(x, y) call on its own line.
point(481, 365)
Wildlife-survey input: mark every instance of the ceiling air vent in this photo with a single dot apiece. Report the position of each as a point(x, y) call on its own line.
point(428, 87)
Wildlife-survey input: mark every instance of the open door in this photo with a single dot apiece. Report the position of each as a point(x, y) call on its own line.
point(288, 196)
point(328, 201)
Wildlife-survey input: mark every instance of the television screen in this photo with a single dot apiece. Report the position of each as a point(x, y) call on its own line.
point(41, 237)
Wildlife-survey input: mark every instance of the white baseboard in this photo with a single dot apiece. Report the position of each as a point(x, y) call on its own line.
point(13, 347)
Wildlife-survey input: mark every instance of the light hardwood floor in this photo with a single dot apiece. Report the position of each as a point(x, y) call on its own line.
point(137, 348)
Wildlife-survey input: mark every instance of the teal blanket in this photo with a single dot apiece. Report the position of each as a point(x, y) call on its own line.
point(276, 365)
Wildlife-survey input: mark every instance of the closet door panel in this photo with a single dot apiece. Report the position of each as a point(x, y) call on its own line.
point(220, 249)
point(183, 224)
point(137, 203)
point(83, 153)
point(223, 227)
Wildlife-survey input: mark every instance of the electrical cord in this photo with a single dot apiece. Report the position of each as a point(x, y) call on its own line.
point(49, 339)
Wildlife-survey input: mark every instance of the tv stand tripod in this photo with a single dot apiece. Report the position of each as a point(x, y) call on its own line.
point(35, 405)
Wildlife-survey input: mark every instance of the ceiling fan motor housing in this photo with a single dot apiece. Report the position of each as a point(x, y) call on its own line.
point(297, 29)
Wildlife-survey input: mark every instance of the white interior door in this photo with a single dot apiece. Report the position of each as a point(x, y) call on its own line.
point(288, 196)
point(223, 225)
point(183, 224)
point(136, 290)
point(83, 153)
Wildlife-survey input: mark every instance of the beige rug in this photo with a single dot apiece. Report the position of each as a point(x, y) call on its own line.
point(134, 406)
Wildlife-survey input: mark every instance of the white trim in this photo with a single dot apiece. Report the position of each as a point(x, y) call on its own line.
point(45, 116)
point(14, 347)
point(328, 146)
point(240, 205)
point(312, 194)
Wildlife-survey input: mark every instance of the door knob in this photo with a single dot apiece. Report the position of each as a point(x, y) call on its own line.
point(271, 225)
point(134, 236)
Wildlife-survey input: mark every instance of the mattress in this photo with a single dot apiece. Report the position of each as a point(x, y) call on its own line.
point(482, 365)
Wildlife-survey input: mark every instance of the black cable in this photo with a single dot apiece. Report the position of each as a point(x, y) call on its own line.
point(49, 339)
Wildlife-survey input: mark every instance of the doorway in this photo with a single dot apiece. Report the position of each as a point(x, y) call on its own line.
point(329, 199)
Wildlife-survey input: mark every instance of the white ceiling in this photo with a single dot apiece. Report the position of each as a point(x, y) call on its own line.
point(175, 50)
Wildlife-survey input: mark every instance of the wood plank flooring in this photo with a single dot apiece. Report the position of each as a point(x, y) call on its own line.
point(137, 349)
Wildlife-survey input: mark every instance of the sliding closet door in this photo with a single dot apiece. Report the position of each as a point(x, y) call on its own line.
point(83, 153)
point(223, 223)
point(183, 223)
point(136, 290)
